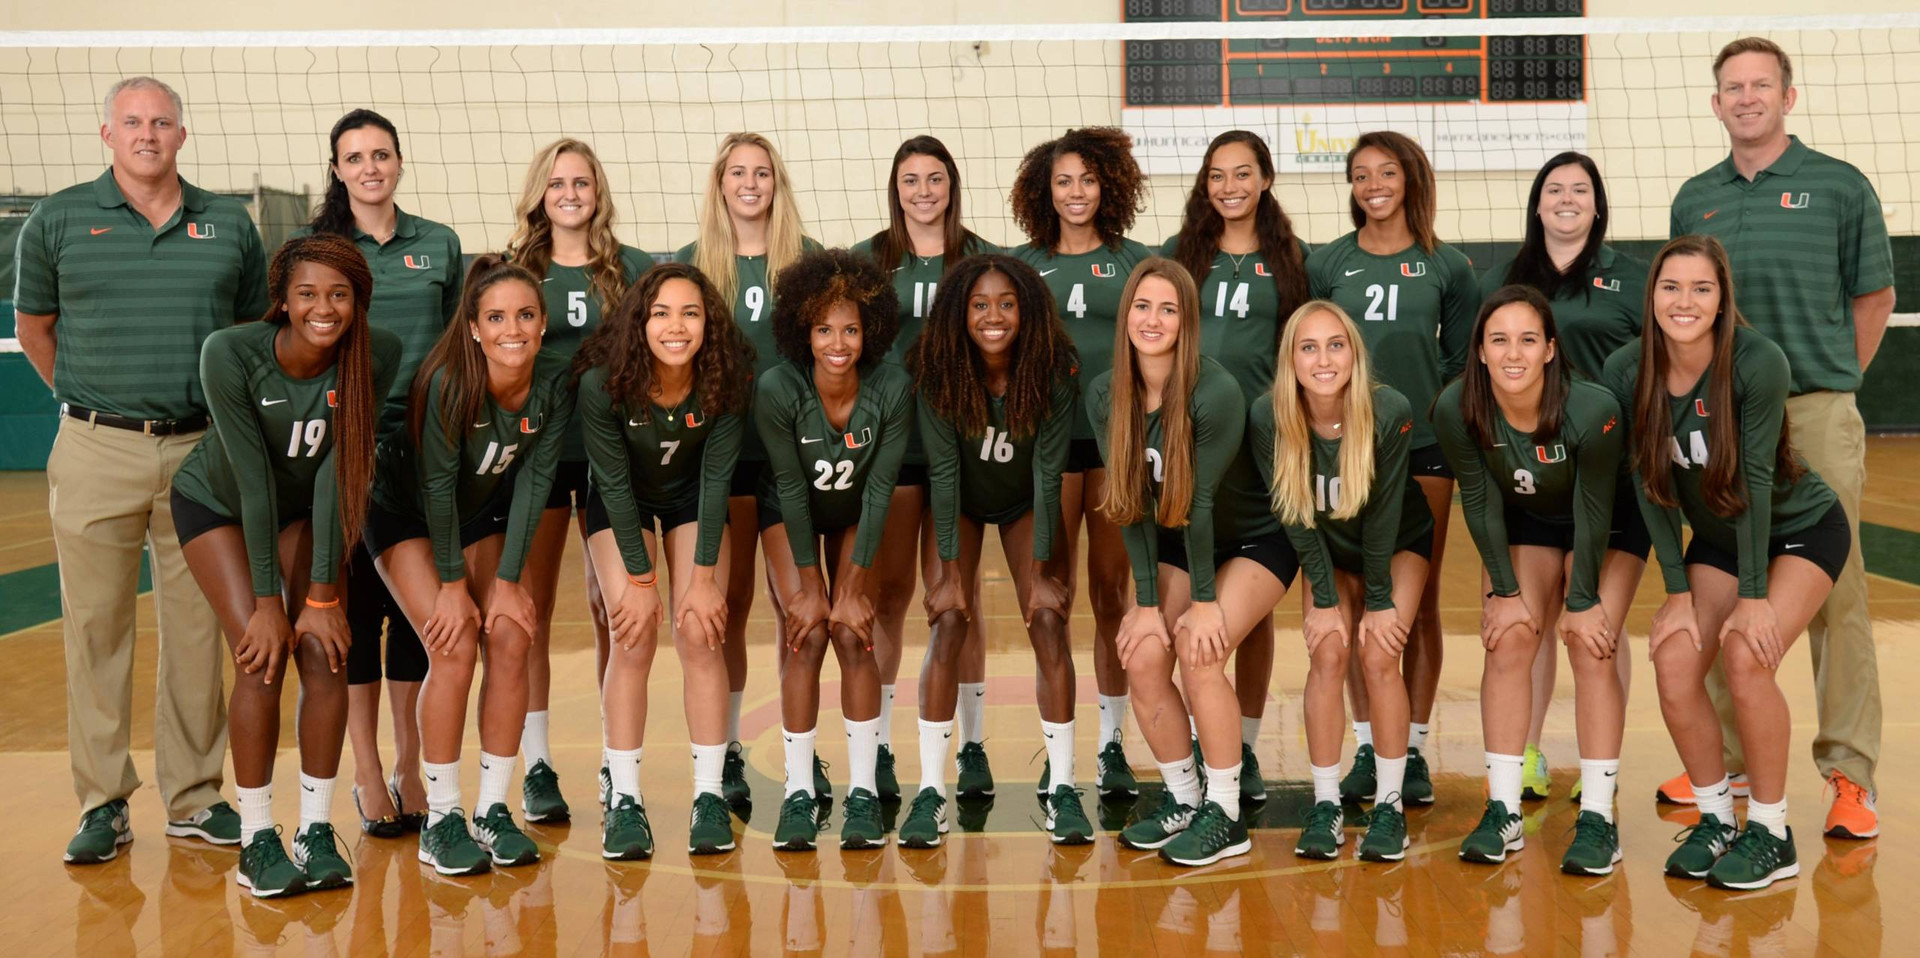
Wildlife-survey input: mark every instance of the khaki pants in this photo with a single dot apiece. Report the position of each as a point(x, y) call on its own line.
point(1827, 431)
point(108, 496)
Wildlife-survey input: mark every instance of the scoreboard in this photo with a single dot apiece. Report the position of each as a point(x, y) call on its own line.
point(1353, 70)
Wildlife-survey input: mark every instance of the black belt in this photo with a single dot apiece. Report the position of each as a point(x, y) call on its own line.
point(151, 427)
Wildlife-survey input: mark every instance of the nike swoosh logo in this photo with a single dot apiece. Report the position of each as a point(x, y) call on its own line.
point(1609, 774)
point(498, 519)
point(546, 281)
point(1050, 272)
point(1353, 271)
point(1793, 545)
point(979, 695)
point(97, 231)
point(307, 787)
point(635, 422)
point(433, 778)
point(804, 440)
point(271, 402)
point(949, 735)
point(1047, 734)
point(483, 425)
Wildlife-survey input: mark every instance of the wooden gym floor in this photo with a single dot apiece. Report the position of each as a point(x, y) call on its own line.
point(998, 885)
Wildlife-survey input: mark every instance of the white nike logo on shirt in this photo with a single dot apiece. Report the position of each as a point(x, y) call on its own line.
point(1050, 272)
point(1353, 271)
point(271, 402)
point(804, 440)
point(483, 425)
point(635, 422)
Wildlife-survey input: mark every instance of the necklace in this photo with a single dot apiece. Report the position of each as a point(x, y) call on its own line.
point(1237, 260)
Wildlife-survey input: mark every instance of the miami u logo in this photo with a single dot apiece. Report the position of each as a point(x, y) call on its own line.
point(1105, 270)
point(1413, 269)
point(1610, 285)
point(866, 436)
point(529, 426)
point(1559, 453)
point(1700, 408)
point(694, 421)
point(331, 399)
point(1793, 201)
point(421, 261)
point(200, 230)
point(1260, 269)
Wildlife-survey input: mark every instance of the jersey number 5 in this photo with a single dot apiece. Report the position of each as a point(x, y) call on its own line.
point(577, 308)
point(833, 475)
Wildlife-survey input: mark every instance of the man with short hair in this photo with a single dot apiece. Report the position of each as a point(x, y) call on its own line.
point(1813, 271)
point(118, 282)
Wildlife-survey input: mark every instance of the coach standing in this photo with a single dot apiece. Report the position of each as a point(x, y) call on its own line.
point(1815, 274)
point(118, 283)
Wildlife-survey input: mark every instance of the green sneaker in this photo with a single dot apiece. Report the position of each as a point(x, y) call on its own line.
point(1361, 782)
point(265, 868)
point(926, 822)
point(1067, 822)
point(1498, 833)
point(495, 830)
point(1418, 787)
point(316, 850)
point(799, 824)
point(1386, 838)
point(1253, 788)
point(1116, 776)
point(1210, 837)
point(449, 847)
point(1700, 846)
point(101, 833)
point(1756, 860)
point(822, 788)
point(860, 821)
point(1044, 787)
point(1535, 783)
point(974, 775)
point(733, 776)
point(1324, 833)
point(217, 824)
point(540, 795)
point(1159, 826)
point(886, 783)
point(627, 835)
point(1596, 846)
point(710, 829)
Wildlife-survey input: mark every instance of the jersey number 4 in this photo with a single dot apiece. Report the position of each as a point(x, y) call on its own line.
point(833, 475)
point(1696, 444)
point(310, 432)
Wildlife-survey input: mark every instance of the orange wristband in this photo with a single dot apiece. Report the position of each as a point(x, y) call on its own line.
point(329, 604)
point(646, 580)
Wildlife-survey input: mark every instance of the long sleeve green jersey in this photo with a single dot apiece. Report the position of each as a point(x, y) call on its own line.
point(269, 457)
point(821, 477)
point(997, 477)
point(1240, 316)
point(1219, 414)
point(1775, 507)
point(504, 462)
point(648, 458)
point(1596, 315)
point(1564, 478)
point(1086, 291)
point(753, 313)
point(573, 311)
point(1414, 309)
point(1394, 518)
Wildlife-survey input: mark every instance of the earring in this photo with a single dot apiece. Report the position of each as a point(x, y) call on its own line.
point(476, 338)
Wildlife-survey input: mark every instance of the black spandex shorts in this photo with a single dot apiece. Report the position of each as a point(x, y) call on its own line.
point(192, 520)
point(668, 520)
point(386, 529)
point(746, 477)
point(1273, 550)
point(1628, 534)
point(1084, 455)
point(770, 516)
point(1428, 462)
point(1825, 544)
point(1420, 545)
point(569, 486)
point(911, 474)
point(371, 610)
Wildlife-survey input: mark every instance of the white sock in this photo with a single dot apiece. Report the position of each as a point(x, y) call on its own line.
point(863, 753)
point(1250, 730)
point(1773, 817)
point(496, 776)
point(256, 811)
point(1363, 733)
point(443, 788)
point(734, 699)
point(1417, 735)
point(972, 712)
point(1715, 799)
point(1113, 718)
point(623, 766)
point(1059, 736)
point(1183, 781)
point(533, 740)
point(708, 763)
point(1223, 789)
point(936, 743)
point(1598, 777)
point(316, 800)
point(799, 747)
point(1503, 779)
point(1326, 783)
point(886, 717)
point(1391, 774)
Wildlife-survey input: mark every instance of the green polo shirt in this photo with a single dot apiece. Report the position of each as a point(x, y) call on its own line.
point(1595, 316)
point(1806, 236)
point(135, 303)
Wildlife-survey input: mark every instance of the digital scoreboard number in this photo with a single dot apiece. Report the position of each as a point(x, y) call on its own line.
point(1357, 69)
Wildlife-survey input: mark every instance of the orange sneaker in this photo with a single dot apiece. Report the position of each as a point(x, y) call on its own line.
point(1678, 790)
point(1852, 814)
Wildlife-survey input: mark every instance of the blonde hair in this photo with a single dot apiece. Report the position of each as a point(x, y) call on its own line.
point(531, 245)
point(1293, 493)
point(714, 255)
point(1128, 490)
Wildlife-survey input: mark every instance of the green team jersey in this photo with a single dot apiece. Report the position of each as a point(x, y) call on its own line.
point(1394, 519)
point(1775, 507)
point(136, 303)
point(1805, 236)
point(649, 459)
point(504, 463)
point(268, 460)
point(821, 477)
point(1595, 316)
point(1086, 290)
point(1219, 414)
point(1565, 478)
point(997, 477)
point(573, 311)
point(1414, 309)
point(417, 275)
point(1240, 316)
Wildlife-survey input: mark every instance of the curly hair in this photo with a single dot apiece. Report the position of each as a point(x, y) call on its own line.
point(947, 366)
point(818, 281)
point(722, 369)
point(1108, 153)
